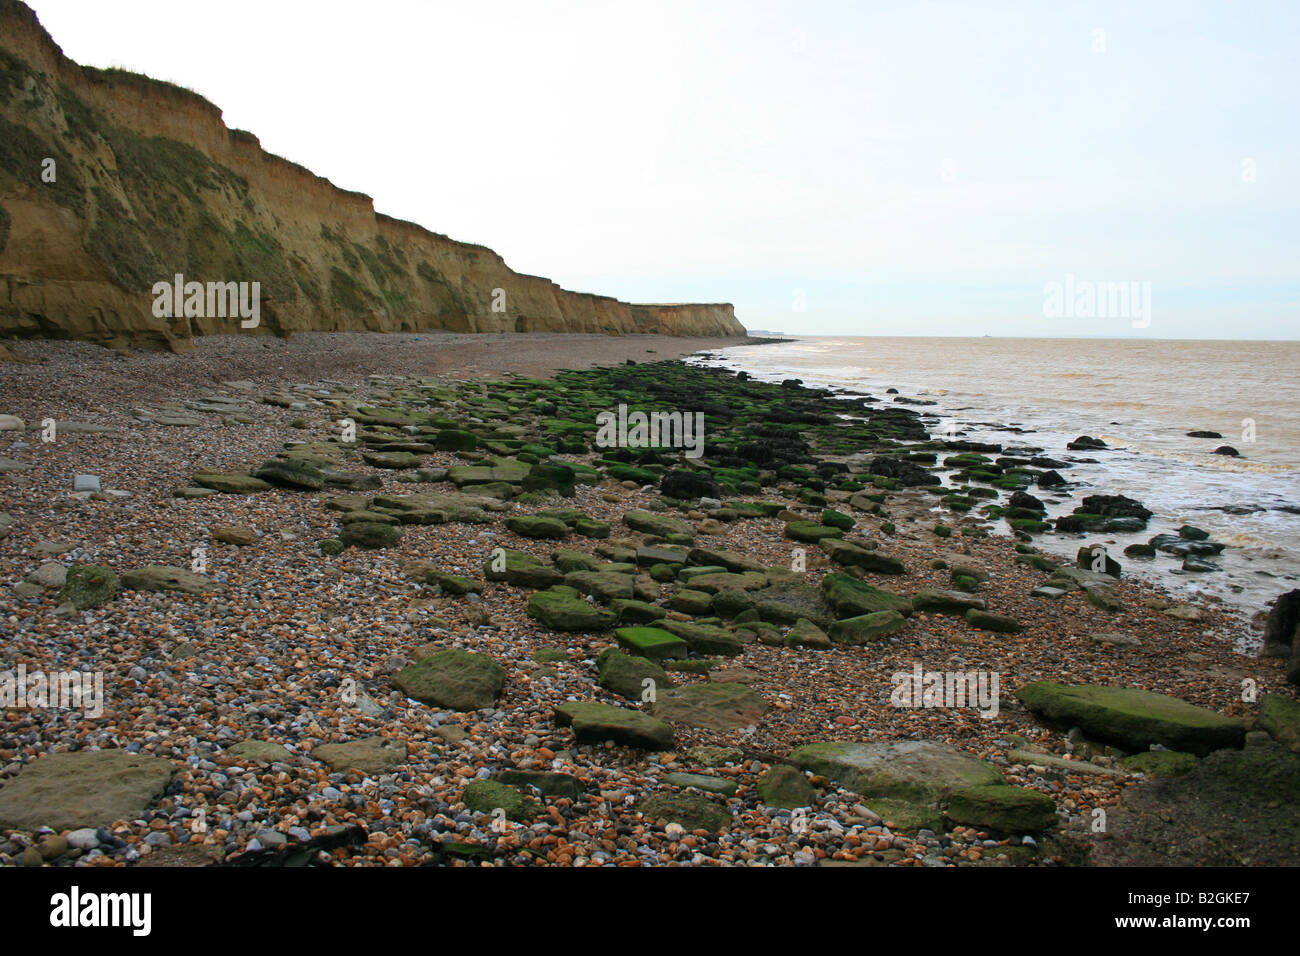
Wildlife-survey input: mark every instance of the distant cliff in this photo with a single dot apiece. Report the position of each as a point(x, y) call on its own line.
point(149, 182)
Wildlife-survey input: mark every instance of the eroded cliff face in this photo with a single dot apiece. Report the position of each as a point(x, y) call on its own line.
point(149, 182)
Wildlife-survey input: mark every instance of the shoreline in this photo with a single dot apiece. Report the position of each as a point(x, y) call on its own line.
point(1150, 460)
point(261, 656)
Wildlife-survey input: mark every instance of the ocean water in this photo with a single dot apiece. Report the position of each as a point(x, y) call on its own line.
point(1141, 397)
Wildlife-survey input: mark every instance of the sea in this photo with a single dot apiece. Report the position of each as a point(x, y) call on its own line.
point(1141, 397)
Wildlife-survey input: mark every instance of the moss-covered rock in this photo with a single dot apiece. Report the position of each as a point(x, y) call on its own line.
point(597, 723)
point(1131, 718)
point(1160, 763)
point(490, 796)
point(626, 675)
point(785, 787)
point(919, 771)
point(455, 679)
point(904, 815)
point(562, 610)
point(938, 601)
point(866, 627)
point(705, 639)
point(1278, 715)
point(161, 577)
point(234, 484)
point(837, 519)
point(690, 601)
point(659, 525)
point(534, 527)
point(690, 811)
point(852, 555)
point(851, 597)
point(89, 585)
point(291, 473)
point(370, 534)
point(807, 634)
point(719, 707)
point(1005, 808)
point(520, 569)
point(651, 642)
point(810, 532)
point(427, 573)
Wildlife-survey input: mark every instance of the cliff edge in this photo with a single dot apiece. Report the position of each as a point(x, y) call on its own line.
point(111, 182)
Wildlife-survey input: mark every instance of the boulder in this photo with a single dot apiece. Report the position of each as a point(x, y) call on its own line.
point(851, 597)
point(852, 555)
point(562, 610)
point(368, 755)
point(1002, 807)
point(921, 771)
point(89, 585)
point(596, 723)
point(866, 627)
point(86, 788)
point(717, 707)
point(660, 525)
point(626, 675)
point(454, 679)
point(651, 642)
point(158, 577)
point(1131, 718)
point(690, 811)
point(785, 787)
point(945, 602)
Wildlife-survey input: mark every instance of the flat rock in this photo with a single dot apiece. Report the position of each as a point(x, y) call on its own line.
point(1131, 718)
point(720, 707)
point(160, 577)
point(369, 755)
point(455, 679)
point(921, 771)
point(702, 781)
point(596, 723)
point(68, 791)
point(233, 534)
point(259, 751)
point(51, 574)
point(785, 787)
point(690, 811)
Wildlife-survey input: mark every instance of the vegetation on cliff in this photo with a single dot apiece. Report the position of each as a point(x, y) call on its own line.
point(158, 186)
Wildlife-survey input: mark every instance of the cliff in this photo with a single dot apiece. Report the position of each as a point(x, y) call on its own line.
point(149, 182)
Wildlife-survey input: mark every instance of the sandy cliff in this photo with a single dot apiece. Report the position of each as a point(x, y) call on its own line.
point(149, 182)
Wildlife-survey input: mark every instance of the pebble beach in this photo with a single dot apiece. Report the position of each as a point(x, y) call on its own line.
point(268, 682)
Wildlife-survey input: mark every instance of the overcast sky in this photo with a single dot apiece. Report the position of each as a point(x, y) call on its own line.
point(852, 168)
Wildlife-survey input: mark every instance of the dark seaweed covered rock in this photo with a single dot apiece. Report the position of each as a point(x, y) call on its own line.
point(902, 471)
point(688, 485)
